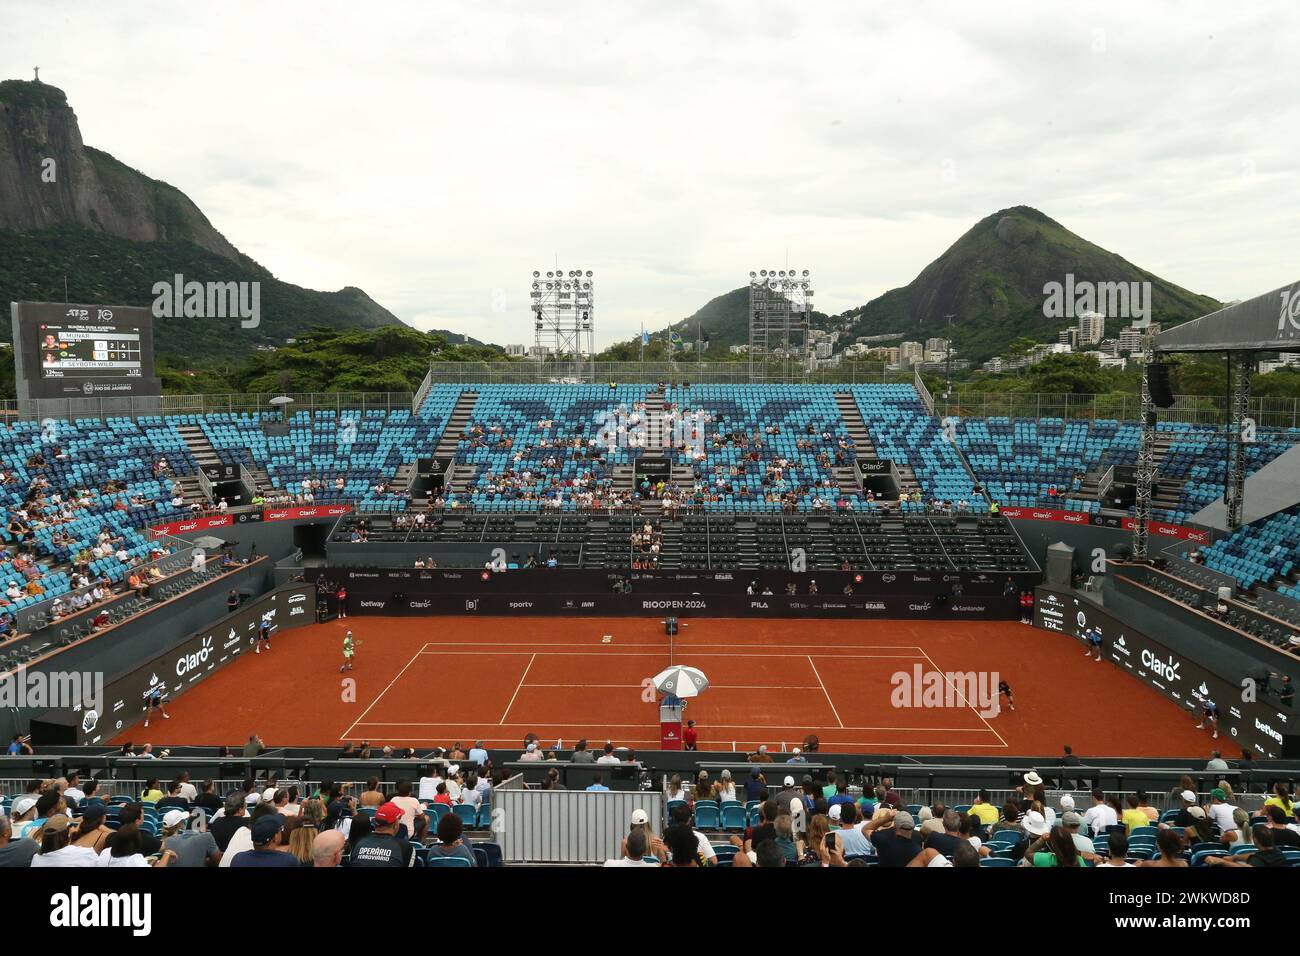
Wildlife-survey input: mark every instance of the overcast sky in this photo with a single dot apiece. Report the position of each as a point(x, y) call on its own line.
point(434, 154)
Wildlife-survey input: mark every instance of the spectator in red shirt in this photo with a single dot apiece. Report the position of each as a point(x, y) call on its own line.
point(689, 737)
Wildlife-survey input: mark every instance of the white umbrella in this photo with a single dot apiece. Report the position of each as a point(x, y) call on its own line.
point(680, 681)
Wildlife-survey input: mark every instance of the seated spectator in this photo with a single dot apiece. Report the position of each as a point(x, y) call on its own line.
point(269, 849)
point(382, 846)
point(56, 847)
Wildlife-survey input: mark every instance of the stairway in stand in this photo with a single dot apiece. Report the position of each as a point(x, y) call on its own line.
point(456, 480)
point(204, 454)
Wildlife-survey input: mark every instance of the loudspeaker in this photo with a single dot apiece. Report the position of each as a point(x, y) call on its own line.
point(670, 626)
point(1158, 384)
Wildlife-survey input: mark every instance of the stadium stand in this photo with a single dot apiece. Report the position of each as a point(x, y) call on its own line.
point(1262, 553)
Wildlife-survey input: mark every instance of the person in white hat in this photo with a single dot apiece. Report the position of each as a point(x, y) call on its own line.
point(797, 756)
point(1035, 824)
point(193, 848)
point(23, 815)
point(640, 845)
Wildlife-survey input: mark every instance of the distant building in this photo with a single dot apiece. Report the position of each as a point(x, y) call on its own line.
point(1069, 337)
point(995, 364)
point(738, 349)
point(517, 350)
point(909, 353)
point(1130, 339)
point(1283, 360)
point(1108, 361)
point(1092, 326)
point(936, 345)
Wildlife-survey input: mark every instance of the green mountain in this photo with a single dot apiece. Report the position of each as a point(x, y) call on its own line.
point(103, 268)
point(77, 225)
point(991, 281)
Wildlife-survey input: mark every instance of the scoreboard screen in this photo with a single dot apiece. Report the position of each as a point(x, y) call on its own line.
point(83, 351)
point(89, 349)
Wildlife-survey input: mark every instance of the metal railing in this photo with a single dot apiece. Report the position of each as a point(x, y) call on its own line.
point(926, 397)
point(33, 617)
point(1192, 409)
point(232, 403)
point(1103, 485)
point(1196, 409)
point(650, 373)
point(418, 399)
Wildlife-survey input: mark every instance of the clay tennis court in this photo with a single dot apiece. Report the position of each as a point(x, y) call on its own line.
point(424, 682)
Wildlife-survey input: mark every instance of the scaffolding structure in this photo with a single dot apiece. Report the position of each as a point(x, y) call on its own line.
point(780, 309)
point(563, 304)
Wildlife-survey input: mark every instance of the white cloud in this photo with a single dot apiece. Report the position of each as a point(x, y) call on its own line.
point(434, 155)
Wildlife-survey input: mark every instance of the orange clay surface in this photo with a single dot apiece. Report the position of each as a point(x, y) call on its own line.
point(424, 682)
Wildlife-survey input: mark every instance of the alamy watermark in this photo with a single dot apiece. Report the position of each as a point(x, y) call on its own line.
point(49, 690)
point(1117, 300)
point(930, 688)
point(179, 299)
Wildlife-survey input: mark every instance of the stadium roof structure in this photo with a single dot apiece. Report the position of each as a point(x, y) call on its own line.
point(1266, 323)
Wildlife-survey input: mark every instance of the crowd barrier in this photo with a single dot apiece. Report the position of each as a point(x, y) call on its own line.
point(543, 591)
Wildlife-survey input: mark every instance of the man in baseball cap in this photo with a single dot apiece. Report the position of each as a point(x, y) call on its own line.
point(382, 846)
point(193, 848)
point(266, 851)
point(1071, 821)
point(893, 834)
point(23, 815)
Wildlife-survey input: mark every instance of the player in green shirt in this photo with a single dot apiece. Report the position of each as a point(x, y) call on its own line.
point(349, 651)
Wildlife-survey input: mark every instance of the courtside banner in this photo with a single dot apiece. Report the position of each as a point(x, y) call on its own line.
point(1252, 724)
point(1159, 528)
point(194, 524)
point(196, 657)
point(591, 593)
point(297, 514)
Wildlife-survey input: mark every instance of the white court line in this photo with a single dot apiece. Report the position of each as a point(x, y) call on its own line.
point(745, 654)
point(655, 644)
point(414, 658)
point(711, 686)
point(897, 746)
point(826, 692)
point(967, 702)
point(516, 693)
point(601, 723)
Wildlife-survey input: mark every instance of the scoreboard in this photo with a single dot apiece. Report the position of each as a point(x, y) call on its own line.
point(64, 351)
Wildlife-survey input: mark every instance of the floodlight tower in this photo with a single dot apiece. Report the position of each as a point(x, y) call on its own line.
point(780, 308)
point(564, 313)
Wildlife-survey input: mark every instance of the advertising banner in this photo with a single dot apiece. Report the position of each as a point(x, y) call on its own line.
point(1252, 724)
point(199, 655)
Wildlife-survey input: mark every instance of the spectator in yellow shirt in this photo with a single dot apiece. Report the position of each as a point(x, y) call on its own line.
point(983, 811)
point(1134, 816)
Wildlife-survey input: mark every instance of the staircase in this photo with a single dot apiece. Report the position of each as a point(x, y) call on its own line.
point(866, 449)
point(204, 454)
point(746, 553)
point(670, 549)
point(656, 431)
point(461, 415)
